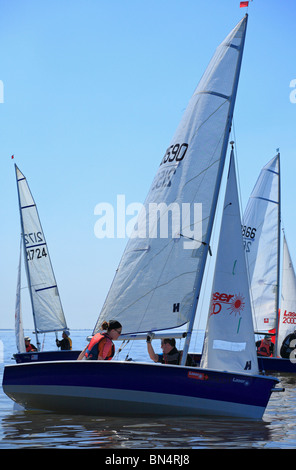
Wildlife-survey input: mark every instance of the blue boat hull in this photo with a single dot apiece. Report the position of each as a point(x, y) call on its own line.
point(276, 364)
point(46, 356)
point(130, 388)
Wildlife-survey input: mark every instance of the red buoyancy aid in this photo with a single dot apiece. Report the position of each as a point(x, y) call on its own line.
point(30, 348)
point(264, 348)
point(92, 351)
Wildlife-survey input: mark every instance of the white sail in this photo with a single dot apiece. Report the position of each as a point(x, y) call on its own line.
point(287, 319)
point(19, 329)
point(229, 340)
point(46, 304)
point(155, 285)
point(261, 231)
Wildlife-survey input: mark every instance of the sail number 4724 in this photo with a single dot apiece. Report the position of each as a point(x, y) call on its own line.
point(36, 253)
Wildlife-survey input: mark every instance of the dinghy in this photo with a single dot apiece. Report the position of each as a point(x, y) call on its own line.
point(158, 281)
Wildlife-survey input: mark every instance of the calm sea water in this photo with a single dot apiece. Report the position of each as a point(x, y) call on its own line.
point(32, 430)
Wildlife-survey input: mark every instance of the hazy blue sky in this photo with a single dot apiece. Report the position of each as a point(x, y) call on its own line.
point(93, 93)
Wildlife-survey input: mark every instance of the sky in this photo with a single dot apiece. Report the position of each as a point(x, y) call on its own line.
point(92, 92)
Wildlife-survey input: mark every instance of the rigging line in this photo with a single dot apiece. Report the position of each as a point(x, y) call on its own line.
point(123, 345)
point(237, 167)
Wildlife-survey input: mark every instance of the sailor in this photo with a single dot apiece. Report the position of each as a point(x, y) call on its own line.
point(29, 347)
point(265, 346)
point(66, 343)
point(101, 346)
point(170, 354)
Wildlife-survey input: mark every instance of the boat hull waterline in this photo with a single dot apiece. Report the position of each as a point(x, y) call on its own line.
point(130, 388)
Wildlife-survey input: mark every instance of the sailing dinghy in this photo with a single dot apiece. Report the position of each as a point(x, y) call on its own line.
point(48, 315)
point(157, 286)
point(262, 240)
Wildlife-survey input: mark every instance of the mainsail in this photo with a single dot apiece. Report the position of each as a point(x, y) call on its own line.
point(46, 304)
point(261, 232)
point(229, 341)
point(158, 279)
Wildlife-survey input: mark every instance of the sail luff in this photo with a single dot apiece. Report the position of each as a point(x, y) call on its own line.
point(216, 194)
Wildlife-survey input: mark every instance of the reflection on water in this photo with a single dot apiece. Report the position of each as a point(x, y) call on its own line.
point(34, 429)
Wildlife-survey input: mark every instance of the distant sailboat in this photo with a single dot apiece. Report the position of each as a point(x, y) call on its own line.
point(158, 282)
point(48, 315)
point(262, 234)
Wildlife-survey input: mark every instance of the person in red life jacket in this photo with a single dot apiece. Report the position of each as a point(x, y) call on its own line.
point(29, 347)
point(101, 347)
point(170, 354)
point(265, 347)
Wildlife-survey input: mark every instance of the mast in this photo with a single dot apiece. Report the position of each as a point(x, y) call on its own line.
point(277, 303)
point(200, 274)
point(25, 258)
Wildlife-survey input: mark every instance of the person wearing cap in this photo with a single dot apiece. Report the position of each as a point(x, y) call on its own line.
point(265, 347)
point(288, 347)
point(66, 343)
point(101, 346)
point(170, 354)
point(29, 347)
